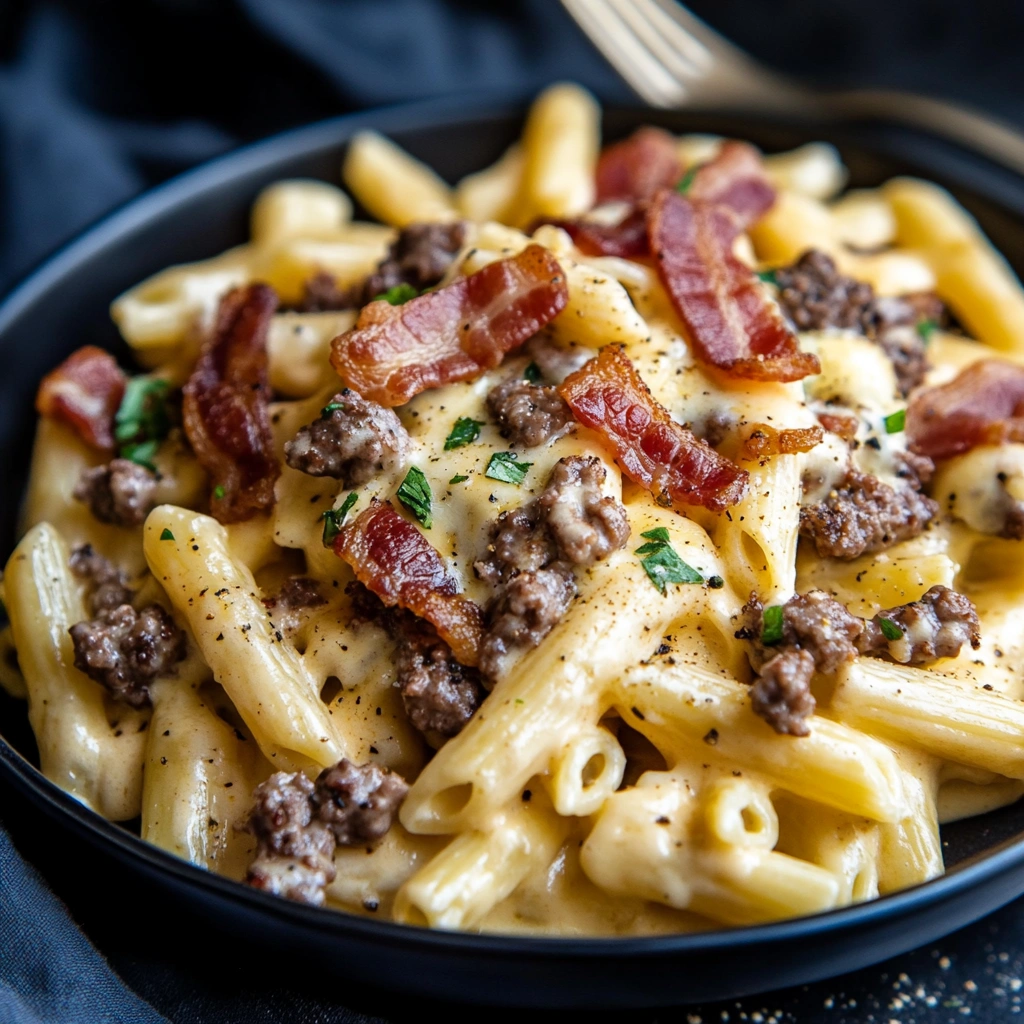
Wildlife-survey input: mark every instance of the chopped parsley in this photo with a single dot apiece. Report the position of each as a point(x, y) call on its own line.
point(895, 421)
point(414, 494)
point(142, 454)
point(926, 328)
point(458, 478)
point(661, 563)
point(399, 295)
point(890, 630)
point(686, 181)
point(166, 535)
point(219, 492)
point(325, 412)
point(505, 467)
point(532, 373)
point(465, 431)
point(768, 276)
point(771, 630)
point(334, 518)
point(141, 421)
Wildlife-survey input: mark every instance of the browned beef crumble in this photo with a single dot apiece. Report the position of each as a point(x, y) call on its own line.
point(358, 803)
point(288, 607)
point(781, 694)
point(298, 824)
point(533, 551)
point(294, 849)
point(124, 650)
point(815, 296)
point(937, 626)
point(107, 583)
point(352, 443)
point(863, 515)
point(528, 607)
point(121, 492)
point(529, 415)
point(439, 694)
point(420, 256)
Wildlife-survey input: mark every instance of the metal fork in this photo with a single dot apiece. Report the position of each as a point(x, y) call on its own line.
point(673, 59)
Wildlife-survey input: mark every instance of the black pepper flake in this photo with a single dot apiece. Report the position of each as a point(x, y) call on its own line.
point(639, 714)
point(712, 737)
point(378, 711)
point(374, 750)
point(663, 649)
point(662, 821)
point(370, 905)
point(527, 796)
point(220, 636)
point(987, 686)
point(277, 633)
point(163, 760)
point(195, 547)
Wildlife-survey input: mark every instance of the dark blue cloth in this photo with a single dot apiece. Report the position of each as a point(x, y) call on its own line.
point(100, 99)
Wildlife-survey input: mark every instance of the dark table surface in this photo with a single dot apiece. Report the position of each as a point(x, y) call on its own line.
point(100, 100)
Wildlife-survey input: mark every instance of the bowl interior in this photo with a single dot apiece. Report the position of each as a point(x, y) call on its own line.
point(65, 303)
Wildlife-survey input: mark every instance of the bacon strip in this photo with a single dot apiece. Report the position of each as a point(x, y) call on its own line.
point(393, 559)
point(609, 396)
point(627, 238)
point(734, 179)
point(84, 392)
point(452, 334)
point(225, 406)
point(637, 168)
point(983, 404)
point(731, 323)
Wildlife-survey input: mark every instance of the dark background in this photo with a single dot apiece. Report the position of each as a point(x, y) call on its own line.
point(100, 99)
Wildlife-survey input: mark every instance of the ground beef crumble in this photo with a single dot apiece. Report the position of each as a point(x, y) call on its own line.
point(420, 256)
point(815, 296)
point(288, 607)
point(819, 634)
point(863, 515)
point(353, 442)
point(124, 650)
point(121, 492)
point(107, 583)
point(936, 626)
point(529, 415)
point(298, 824)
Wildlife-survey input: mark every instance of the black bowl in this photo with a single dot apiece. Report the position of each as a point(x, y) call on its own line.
point(64, 305)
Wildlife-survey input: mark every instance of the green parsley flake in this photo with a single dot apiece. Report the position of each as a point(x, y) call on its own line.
point(716, 582)
point(890, 630)
point(895, 422)
point(505, 466)
point(768, 276)
point(219, 492)
point(458, 478)
point(142, 454)
point(661, 563)
point(686, 182)
point(926, 328)
point(334, 518)
point(532, 373)
point(414, 494)
point(166, 535)
point(399, 295)
point(141, 421)
point(771, 630)
point(465, 431)
point(325, 412)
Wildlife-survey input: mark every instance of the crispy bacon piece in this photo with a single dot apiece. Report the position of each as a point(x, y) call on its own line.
point(731, 323)
point(452, 334)
point(393, 559)
point(734, 179)
point(628, 238)
point(609, 396)
point(225, 406)
point(843, 424)
point(84, 392)
point(765, 441)
point(637, 168)
point(983, 404)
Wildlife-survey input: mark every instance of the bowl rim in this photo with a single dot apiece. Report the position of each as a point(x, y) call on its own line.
point(135, 213)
